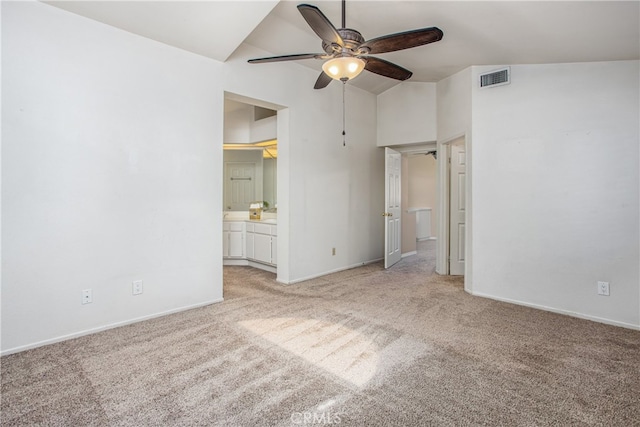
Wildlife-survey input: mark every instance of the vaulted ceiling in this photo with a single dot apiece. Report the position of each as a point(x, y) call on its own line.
point(475, 32)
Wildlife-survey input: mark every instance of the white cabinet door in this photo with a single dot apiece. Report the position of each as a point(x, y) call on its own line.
point(233, 239)
point(262, 248)
point(250, 245)
point(236, 244)
point(260, 243)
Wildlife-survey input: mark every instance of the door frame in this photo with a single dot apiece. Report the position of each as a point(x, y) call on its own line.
point(415, 149)
point(460, 148)
point(283, 185)
point(442, 244)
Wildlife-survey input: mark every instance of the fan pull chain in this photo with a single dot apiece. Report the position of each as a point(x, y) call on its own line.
point(344, 141)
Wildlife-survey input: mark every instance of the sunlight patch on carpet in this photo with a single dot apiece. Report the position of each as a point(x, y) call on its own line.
point(333, 347)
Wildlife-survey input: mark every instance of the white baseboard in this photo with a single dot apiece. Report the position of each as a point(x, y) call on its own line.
point(559, 311)
point(105, 327)
point(250, 263)
point(406, 254)
point(231, 261)
point(265, 267)
point(315, 276)
point(422, 239)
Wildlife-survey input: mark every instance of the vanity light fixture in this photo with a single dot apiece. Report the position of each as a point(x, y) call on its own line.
point(343, 68)
point(269, 148)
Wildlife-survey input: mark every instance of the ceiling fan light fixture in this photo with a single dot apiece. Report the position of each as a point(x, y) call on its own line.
point(343, 67)
point(349, 48)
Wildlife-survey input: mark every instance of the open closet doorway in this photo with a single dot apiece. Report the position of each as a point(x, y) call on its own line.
point(254, 193)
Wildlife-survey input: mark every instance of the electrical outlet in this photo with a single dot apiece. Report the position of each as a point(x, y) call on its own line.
point(87, 296)
point(137, 287)
point(333, 251)
point(603, 288)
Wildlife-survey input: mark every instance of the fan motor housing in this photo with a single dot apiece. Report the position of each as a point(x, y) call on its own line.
point(352, 40)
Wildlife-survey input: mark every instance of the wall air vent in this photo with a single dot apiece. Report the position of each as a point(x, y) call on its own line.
point(496, 78)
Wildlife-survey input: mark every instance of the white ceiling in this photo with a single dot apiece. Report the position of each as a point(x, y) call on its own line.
point(209, 28)
point(475, 32)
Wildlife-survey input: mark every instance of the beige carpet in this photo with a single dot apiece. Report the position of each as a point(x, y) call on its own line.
point(364, 347)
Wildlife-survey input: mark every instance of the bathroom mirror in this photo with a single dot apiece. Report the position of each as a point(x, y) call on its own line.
point(250, 174)
point(250, 156)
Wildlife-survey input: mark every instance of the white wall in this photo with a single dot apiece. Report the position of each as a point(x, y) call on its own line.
point(112, 171)
point(408, 219)
point(556, 185)
point(237, 126)
point(339, 189)
point(407, 114)
point(454, 106)
point(241, 128)
point(422, 184)
point(107, 141)
point(264, 129)
point(454, 121)
point(329, 195)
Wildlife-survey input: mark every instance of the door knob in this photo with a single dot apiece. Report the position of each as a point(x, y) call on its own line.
point(387, 214)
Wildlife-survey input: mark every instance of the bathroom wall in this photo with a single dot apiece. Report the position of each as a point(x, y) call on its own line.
point(422, 184)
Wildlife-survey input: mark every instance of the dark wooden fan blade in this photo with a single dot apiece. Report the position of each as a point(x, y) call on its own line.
point(323, 81)
point(405, 40)
point(320, 24)
point(287, 58)
point(385, 68)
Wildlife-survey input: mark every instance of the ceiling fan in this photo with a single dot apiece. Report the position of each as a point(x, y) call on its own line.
point(347, 52)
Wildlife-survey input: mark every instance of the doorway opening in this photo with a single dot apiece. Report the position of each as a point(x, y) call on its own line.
point(419, 201)
point(255, 190)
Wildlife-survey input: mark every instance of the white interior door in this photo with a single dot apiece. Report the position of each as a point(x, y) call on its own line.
point(240, 185)
point(457, 211)
point(392, 214)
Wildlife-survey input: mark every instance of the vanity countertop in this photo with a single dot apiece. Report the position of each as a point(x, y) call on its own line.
point(262, 221)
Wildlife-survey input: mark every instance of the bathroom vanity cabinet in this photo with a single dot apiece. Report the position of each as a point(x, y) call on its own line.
point(251, 243)
point(261, 242)
point(233, 237)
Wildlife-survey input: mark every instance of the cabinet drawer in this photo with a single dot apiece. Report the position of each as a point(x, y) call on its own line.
point(250, 227)
point(236, 226)
point(274, 230)
point(262, 228)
